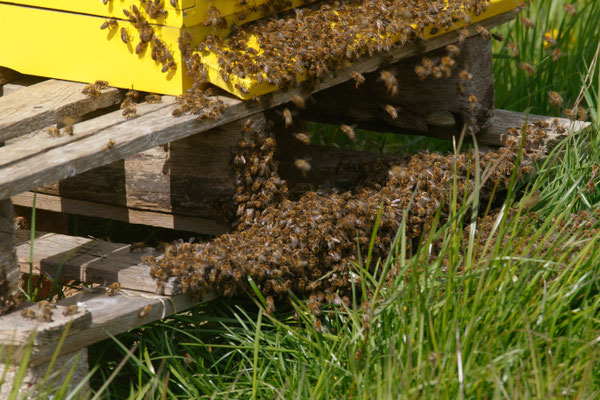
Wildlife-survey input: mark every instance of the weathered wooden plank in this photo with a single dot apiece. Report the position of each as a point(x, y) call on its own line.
point(416, 100)
point(89, 260)
point(158, 127)
point(47, 103)
point(164, 219)
point(21, 83)
point(494, 134)
point(187, 187)
point(17, 329)
point(109, 315)
point(9, 272)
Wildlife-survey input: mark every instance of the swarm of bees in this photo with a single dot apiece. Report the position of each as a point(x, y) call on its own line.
point(312, 42)
point(308, 246)
point(160, 52)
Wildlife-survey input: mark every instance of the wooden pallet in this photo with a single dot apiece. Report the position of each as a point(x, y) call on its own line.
point(150, 181)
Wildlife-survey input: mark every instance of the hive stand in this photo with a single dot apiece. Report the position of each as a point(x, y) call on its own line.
point(174, 173)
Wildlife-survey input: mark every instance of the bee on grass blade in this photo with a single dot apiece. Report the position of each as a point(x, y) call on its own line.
point(349, 131)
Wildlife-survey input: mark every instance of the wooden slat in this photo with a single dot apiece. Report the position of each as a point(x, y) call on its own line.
point(502, 120)
point(47, 103)
point(159, 127)
point(21, 83)
point(109, 315)
point(90, 261)
point(167, 220)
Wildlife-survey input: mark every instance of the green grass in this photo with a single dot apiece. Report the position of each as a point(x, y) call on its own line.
point(523, 321)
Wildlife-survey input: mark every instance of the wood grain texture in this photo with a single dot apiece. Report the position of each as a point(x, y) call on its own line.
point(9, 271)
point(415, 99)
point(85, 150)
point(187, 187)
point(47, 103)
point(90, 260)
point(109, 315)
point(20, 83)
point(90, 208)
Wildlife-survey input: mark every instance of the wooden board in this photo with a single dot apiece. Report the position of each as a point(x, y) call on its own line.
point(156, 126)
point(47, 103)
point(107, 315)
point(21, 83)
point(187, 186)
point(416, 100)
point(9, 272)
point(89, 260)
point(170, 220)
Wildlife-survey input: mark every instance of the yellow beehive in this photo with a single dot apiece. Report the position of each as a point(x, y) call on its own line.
point(62, 39)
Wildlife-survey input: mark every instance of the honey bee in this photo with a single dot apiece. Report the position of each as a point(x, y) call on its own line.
point(498, 37)
point(391, 110)
point(101, 85)
point(270, 305)
point(145, 311)
point(298, 101)
point(549, 39)
point(349, 131)
point(303, 165)
point(112, 289)
point(68, 125)
point(124, 35)
point(570, 8)
point(482, 31)
point(91, 90)
point(359, 79)
point(28, 313)
point(153, 98)
point(555, 99)
point(463, 34)
point(287, 117)
point(527, 22)
point(302, 137)
point(137, 246)
point(130, 112)
point(570, 113)
point(109, 23)
point(514, 49)
point(582, 113)
point(390, 82)
point(465, 75)
point(53, 131)
point(527, 68)
point(174, 3)
point(110, 144)
point(591, 184)
point(556, 55)
point(452, 50)
point(473, 102)
point(71, 310)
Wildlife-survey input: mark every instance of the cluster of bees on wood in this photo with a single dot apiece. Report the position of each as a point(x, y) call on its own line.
point(309, 246)
point(321, 41)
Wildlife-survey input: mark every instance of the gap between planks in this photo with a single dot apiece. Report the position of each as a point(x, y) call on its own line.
point(156, 126)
